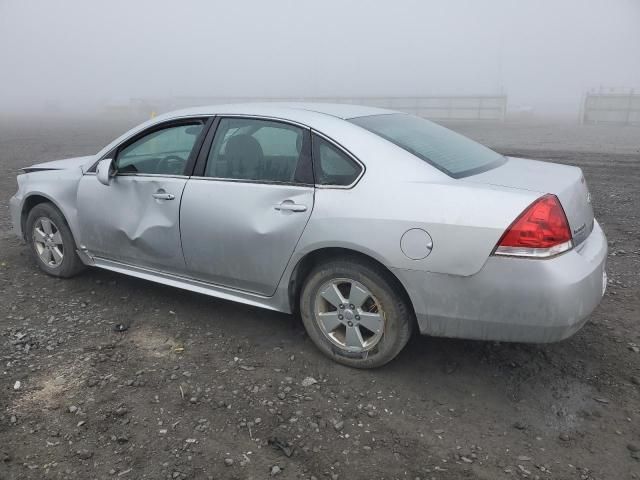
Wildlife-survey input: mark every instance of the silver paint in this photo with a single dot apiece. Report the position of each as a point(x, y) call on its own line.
point(513, 299)
point(237, 234)
point(126, 223)
point(230, 240)
point(565, 181)
point(416, 244)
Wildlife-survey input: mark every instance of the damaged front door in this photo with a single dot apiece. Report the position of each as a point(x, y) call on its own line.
point(135, 219)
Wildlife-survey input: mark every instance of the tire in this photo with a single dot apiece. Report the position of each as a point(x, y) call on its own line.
point(61, 243)
point(386, 300)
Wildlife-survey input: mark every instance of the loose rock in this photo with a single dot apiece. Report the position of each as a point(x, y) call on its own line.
point(84, 454)
point(275, 470)
point(307, 382)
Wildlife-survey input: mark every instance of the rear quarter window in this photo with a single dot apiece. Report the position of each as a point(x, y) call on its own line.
point(332, 166)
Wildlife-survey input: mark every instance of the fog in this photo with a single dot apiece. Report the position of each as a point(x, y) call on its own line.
point(79, 55)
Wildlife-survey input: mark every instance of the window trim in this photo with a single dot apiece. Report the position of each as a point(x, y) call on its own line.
point(362, 166)
point(196, 163)
point(206, 120)
point(203, 156)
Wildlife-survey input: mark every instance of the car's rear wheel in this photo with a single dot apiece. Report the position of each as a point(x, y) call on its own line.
point(355, 313)
point(51, 241)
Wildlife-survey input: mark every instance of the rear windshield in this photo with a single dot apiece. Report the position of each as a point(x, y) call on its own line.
point(450, 152)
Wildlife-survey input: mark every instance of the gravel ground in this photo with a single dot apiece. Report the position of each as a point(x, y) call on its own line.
point(202, 388)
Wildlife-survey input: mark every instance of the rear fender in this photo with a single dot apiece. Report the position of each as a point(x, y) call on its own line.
point(464, 221)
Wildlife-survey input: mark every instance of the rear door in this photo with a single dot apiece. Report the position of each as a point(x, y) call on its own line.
point(135, 219)
point(248, 203)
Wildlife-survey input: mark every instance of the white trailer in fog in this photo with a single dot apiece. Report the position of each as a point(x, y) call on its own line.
point(611, 107)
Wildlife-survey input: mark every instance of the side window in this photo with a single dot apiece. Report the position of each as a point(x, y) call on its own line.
point(277, 141)
point(331, 165)
point(259, 150)
point(161, 152)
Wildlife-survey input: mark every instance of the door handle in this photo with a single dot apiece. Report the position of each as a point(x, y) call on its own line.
point(290, 207)
point(161, 195)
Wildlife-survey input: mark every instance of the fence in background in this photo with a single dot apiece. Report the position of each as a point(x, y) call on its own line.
point(480, 107)
point(613, 108)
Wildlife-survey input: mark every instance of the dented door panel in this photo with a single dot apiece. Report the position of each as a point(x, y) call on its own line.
point(242, 235)
point(134, 220)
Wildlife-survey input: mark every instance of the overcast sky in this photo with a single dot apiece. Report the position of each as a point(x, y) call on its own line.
point(546, 54)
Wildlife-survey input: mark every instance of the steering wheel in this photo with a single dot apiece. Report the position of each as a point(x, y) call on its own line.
point(172, 165)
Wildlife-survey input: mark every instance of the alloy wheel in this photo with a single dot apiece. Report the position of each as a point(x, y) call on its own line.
point(349, 315)
point(47, 240)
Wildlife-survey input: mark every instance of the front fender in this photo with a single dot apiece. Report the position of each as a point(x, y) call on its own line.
point(56, 186)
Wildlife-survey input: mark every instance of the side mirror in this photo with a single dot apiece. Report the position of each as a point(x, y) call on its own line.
point(104, 171)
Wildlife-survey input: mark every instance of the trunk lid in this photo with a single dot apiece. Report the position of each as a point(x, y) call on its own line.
point(564, 181)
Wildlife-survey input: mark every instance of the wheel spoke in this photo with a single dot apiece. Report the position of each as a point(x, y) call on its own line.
point(371, 321)
point(57, 238)
point(39, 235)
point(358, 295)
point(46, 225)
point(353, 338)
point(330, 321)
point(332, 295)
point(56, 254)
point(46, 256)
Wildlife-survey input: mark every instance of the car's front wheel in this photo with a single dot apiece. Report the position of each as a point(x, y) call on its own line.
point(51, 241)
point(355, 313)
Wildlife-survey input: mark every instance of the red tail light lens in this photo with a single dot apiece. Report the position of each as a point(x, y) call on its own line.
point(542, 230)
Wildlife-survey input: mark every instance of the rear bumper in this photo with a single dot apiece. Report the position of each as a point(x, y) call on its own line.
point(513, 299)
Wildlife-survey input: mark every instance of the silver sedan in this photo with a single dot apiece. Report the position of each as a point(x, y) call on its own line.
point(367, 223)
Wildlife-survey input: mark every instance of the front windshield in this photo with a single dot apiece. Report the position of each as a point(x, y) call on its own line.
point(450, 152)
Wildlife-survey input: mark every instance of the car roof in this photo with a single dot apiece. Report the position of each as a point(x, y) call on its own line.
point(296, 111)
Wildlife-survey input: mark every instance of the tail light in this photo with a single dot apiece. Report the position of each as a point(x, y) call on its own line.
point(542, 230)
